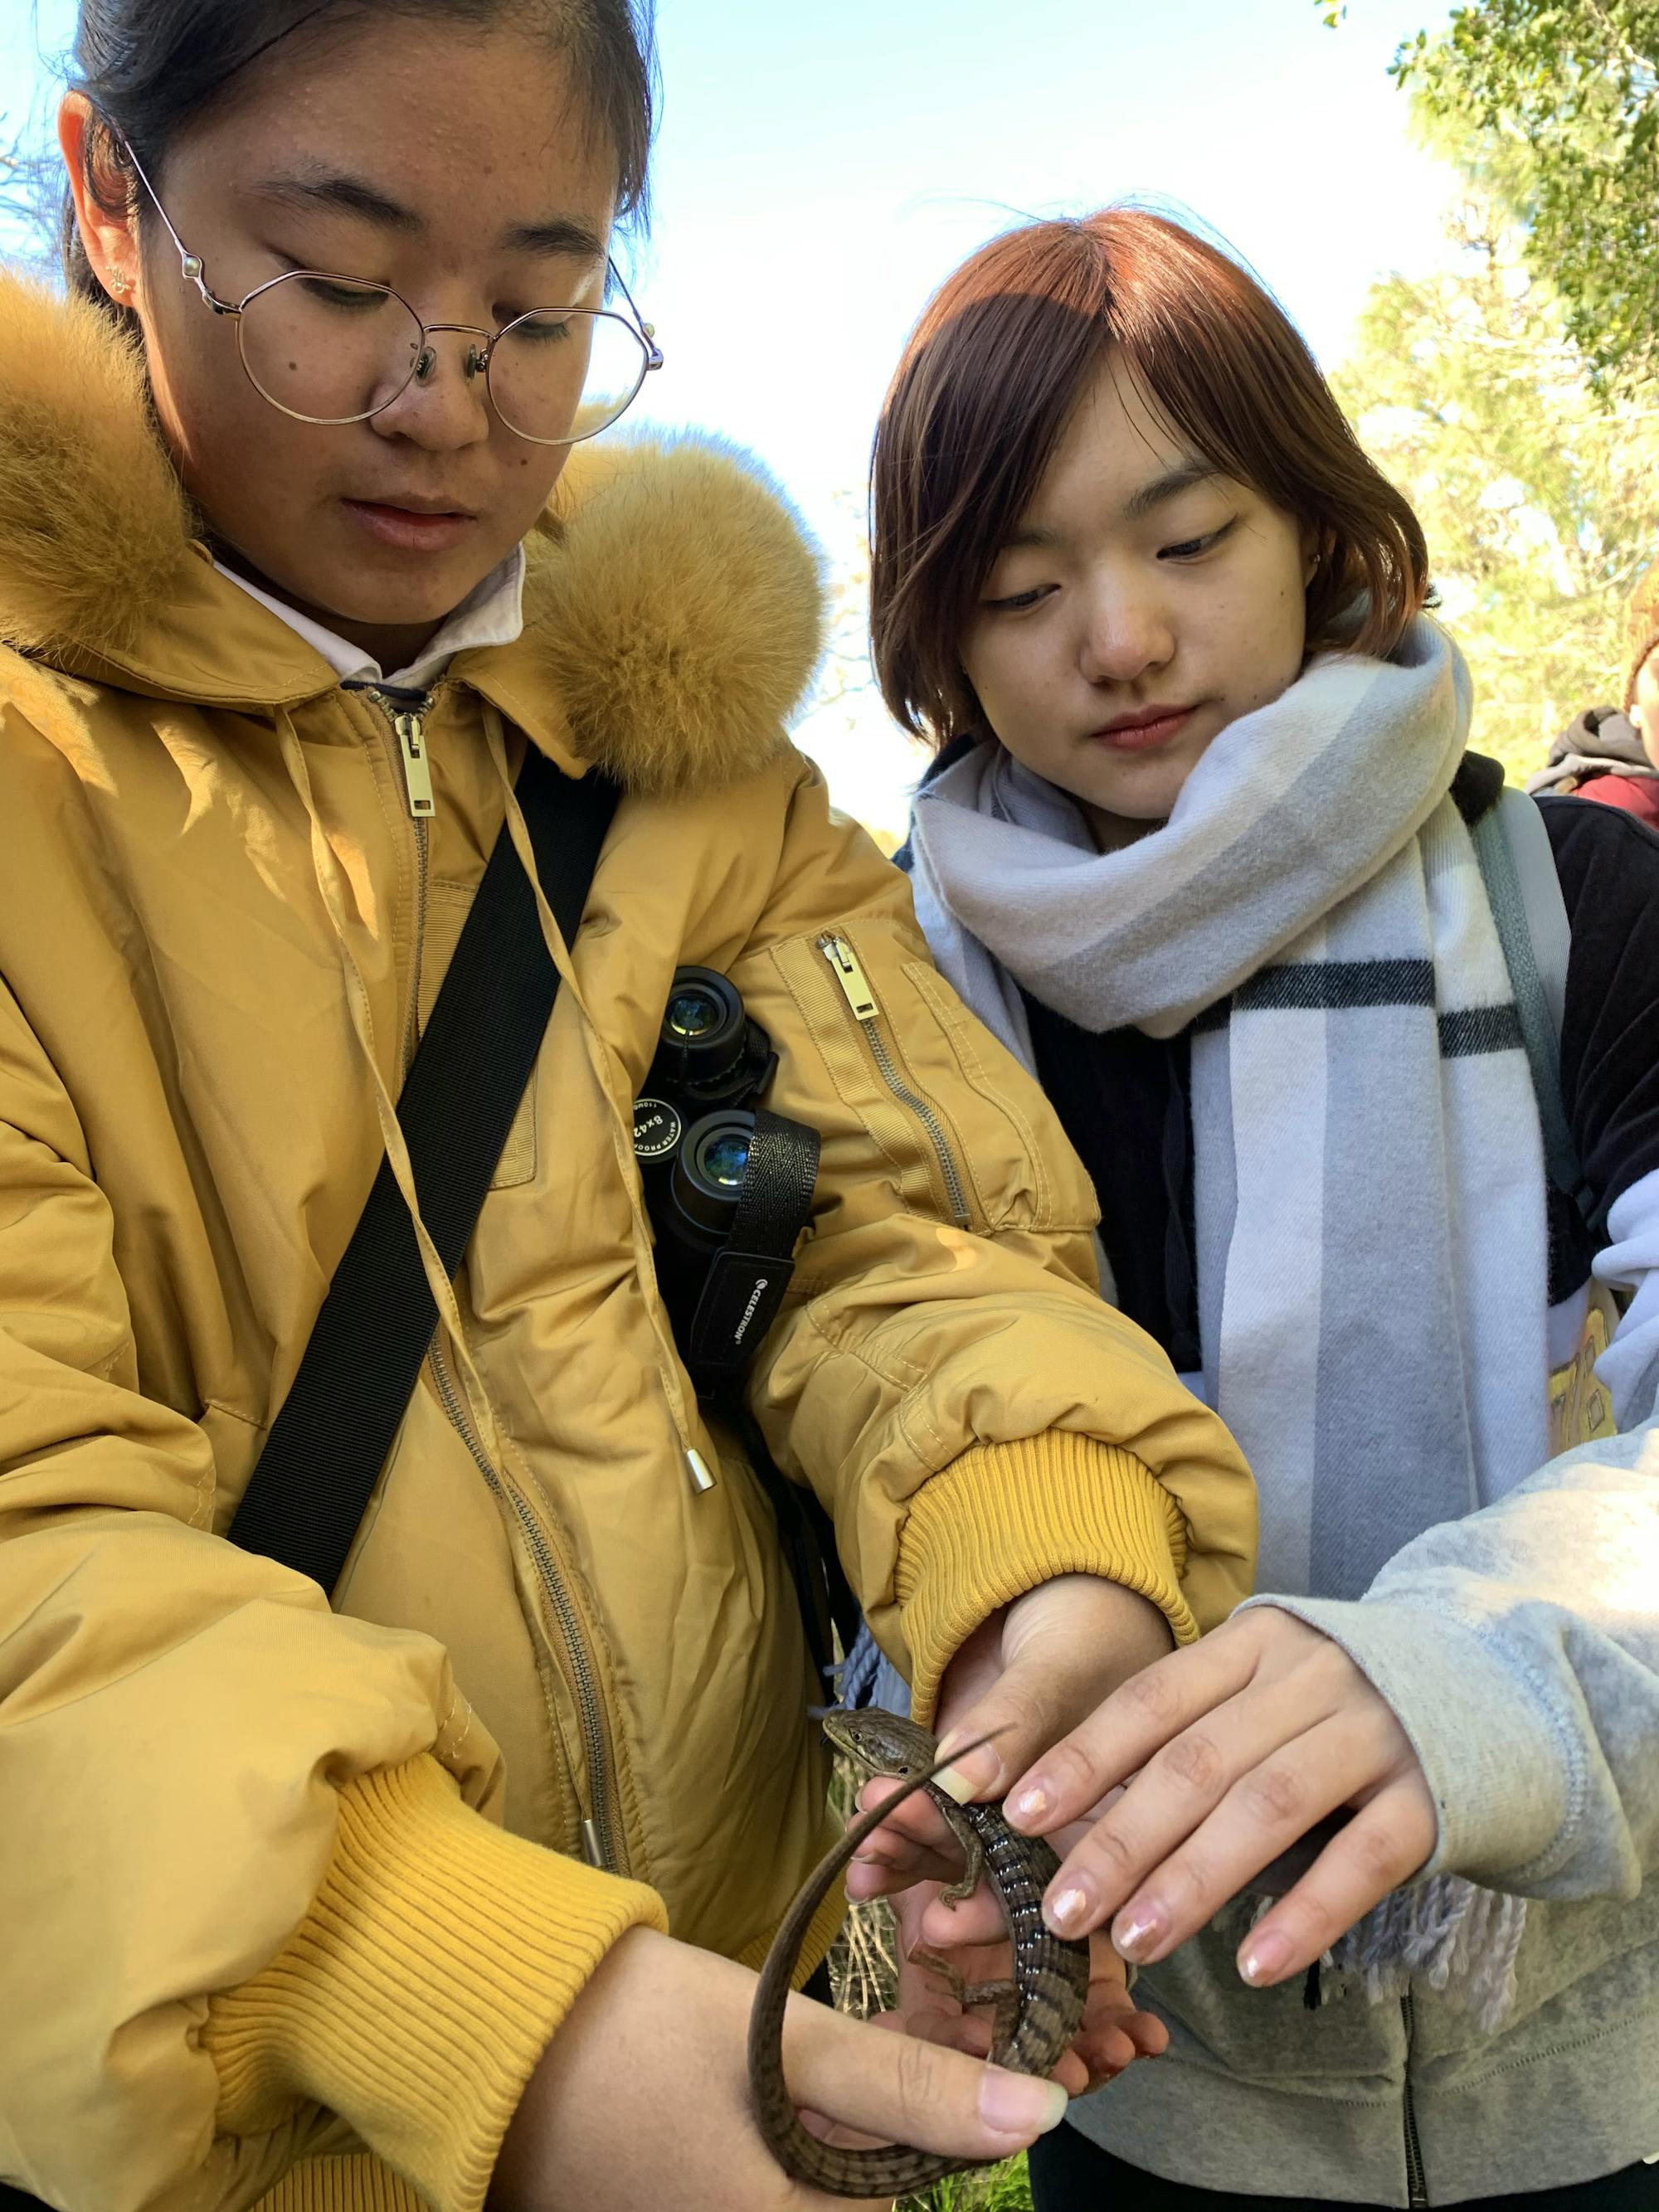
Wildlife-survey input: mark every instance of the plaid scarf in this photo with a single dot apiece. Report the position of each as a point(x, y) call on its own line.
point(1368, 1175)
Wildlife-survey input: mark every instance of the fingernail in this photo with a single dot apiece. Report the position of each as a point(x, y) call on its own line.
point(1069, 1910)
point(1265, 1957)
point(1030, 1804)
point(1139, 1930)
point(1014, 2104)
point(977, 1771)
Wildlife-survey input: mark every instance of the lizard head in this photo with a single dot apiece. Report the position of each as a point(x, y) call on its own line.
point(882, 1743)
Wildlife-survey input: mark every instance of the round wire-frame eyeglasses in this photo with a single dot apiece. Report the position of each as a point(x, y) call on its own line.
point(422, 358)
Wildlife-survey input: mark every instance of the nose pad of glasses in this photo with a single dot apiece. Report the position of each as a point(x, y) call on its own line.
point(425, 362)
point(477, 362)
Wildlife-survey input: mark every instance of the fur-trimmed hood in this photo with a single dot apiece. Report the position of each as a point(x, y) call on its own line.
point(673, 603)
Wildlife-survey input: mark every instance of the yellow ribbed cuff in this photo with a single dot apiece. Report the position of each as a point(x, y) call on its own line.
point(351, 2182)
point(418, 1993)
point(1006, 1517)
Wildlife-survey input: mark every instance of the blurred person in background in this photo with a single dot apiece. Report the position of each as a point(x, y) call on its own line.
point(1612, 755)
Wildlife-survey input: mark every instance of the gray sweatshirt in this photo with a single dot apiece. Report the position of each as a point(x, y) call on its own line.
point(1520, 1648)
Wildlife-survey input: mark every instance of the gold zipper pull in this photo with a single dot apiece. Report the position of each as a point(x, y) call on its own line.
point(410, 726)
point(849, 974)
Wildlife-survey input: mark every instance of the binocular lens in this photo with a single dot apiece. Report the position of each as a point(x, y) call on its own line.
point(706, 1045)
point(705, 1034)
point(692, 1012)
point(709, 1171)
point(723, 1158)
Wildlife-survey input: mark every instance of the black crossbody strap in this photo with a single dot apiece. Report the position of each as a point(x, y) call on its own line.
point(312, 1483)
point(746, 1282)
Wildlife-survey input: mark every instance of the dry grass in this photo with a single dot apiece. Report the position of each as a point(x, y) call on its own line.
point(864, 1961)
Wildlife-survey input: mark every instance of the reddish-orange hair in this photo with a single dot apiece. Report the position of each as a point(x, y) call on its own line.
point(990, 377)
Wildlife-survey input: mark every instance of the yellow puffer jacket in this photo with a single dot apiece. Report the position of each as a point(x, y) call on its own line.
point(293, 1895)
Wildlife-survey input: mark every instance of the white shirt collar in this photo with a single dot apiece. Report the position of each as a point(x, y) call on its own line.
point(492, 613)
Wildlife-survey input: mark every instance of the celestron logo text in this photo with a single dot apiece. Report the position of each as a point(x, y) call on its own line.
point(755, 1297)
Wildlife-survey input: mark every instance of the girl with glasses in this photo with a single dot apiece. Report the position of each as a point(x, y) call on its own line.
point(1360, 1056)
point(309, 531)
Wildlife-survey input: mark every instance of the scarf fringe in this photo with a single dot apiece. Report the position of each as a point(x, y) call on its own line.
point(1463, 1941)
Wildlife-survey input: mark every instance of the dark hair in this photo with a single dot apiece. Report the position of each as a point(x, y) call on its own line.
point(988, 381)
point(151, 68)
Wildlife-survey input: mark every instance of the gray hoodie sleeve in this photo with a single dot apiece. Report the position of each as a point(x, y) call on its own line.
point(1520, 1650)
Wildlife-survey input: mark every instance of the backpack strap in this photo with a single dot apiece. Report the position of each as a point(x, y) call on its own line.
point(323, 1457)
point(1517, 866)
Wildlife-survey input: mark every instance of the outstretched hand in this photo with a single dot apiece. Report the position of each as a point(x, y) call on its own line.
point(1188, 1783)
point(1238, 1747)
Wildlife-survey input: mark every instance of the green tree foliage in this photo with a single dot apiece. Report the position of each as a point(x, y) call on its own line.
point(1569, 90)
point(1539, 499)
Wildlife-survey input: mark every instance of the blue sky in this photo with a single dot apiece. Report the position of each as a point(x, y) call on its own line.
point(822, 167)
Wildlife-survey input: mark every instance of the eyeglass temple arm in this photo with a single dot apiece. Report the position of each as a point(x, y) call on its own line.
point(189, 265)
point(647, 330)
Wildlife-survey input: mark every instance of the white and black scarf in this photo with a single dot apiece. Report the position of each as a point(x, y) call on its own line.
point(1369, 1172)
point(1369, 1187)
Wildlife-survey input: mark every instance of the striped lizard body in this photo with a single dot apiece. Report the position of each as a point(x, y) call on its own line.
point(1038, 2011)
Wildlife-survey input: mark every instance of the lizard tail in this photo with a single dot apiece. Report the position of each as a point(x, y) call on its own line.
point(866, 2173)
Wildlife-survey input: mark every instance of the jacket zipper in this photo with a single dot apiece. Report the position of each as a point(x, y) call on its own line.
point(597, 1833)
point(408, 720)
point(1417, 2185)
point(855, 988)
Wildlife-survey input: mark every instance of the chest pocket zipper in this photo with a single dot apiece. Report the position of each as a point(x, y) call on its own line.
point(856, 987)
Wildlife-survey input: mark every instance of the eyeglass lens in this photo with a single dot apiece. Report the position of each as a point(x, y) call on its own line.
point(329, 349)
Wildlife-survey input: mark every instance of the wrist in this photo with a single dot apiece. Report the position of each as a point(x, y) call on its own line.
point(1127, 1630)
point(1142, 1630)
point(1036, 1668)
point(537, 2144)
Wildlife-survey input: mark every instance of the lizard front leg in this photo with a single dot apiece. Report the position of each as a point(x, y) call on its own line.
point(972, 1851)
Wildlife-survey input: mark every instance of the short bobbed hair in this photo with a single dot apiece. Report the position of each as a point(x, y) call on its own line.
point(989, 379)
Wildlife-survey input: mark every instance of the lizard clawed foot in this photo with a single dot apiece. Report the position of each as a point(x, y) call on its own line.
point(967, 1994)
point(1003, 1995)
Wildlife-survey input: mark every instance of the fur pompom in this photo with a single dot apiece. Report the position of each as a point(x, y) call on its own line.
point(679, 612)
point(94, 524)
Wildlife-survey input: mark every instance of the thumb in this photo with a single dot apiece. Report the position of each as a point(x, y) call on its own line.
point(899, 2089)
point(999, 1735)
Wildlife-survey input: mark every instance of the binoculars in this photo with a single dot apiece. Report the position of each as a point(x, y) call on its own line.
point(728, 1185)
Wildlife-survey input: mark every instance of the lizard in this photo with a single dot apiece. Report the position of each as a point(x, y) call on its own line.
point(1037, 2012)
